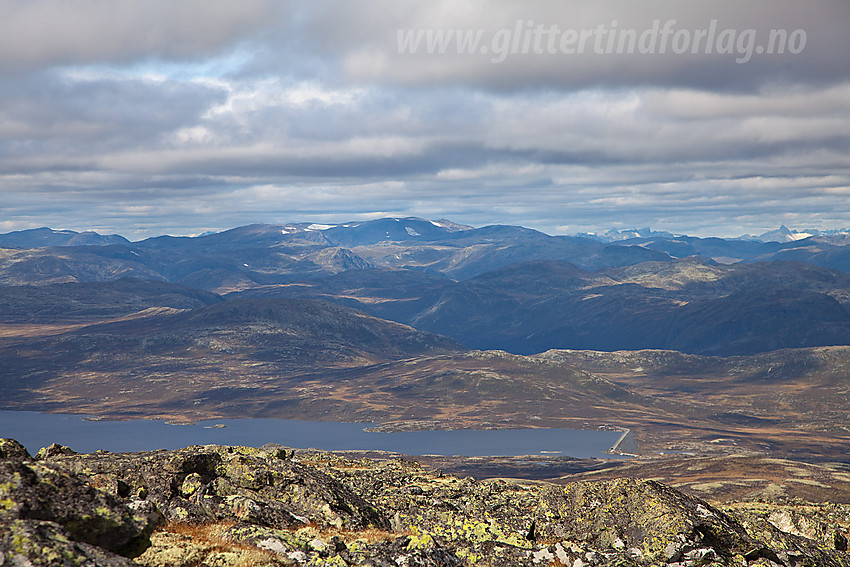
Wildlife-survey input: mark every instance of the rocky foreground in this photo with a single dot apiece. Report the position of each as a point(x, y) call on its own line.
point(222, 506)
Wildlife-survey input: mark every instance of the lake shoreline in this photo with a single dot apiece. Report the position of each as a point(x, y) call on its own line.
point(87, 434)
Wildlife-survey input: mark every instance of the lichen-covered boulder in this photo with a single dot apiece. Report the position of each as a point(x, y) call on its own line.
point(48, 515)
point(615, 522)
point(12, 450)
point(239, 484)
point(53, 450)
point(649, 520)
point(483, 522)
point(32, 542)
point(242, 506)
point(798, 532)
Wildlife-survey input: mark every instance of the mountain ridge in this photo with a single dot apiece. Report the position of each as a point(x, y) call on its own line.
point(57, 237)
point(449, 327)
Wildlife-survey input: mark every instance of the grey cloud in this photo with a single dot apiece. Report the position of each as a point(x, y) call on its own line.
point(273, 141)
point(325, 121)
point(705, 206)
point(38, 34)
point(362, 37)
point(50, 118)
point(355, 137)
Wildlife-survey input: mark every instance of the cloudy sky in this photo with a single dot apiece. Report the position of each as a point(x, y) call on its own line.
point(181, 116)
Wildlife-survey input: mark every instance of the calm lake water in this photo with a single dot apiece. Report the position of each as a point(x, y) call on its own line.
point(36, 430)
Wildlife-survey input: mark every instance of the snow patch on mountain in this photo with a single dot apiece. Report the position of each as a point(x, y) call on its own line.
point(315, 226)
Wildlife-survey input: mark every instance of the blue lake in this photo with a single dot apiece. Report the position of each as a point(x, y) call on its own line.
point(36, 430)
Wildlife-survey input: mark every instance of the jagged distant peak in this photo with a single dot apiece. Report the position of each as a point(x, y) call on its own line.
point(785, 234)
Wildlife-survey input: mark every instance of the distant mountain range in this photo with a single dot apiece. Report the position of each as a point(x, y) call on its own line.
point(502, 287)
point(411, 322)
point(782, 234)
point(253, 255)
point(360, 232)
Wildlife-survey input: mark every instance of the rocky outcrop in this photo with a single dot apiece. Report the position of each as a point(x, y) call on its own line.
point(274, 506)
point(49, 516)
point(613, 522)
point(242, 484)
